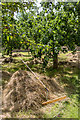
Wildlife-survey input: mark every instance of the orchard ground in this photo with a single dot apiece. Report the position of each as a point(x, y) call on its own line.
point(66, 75)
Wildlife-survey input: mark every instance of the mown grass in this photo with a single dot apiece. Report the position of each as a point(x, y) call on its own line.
point(66, 109)
point(63, 109)
point(23, 114)
point(69, 109)
point(68, 77)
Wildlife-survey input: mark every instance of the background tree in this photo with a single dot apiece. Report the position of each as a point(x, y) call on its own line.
point(43, 32)
point(10, 35)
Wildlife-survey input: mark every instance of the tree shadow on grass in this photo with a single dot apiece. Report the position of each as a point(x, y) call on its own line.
point(51, 72)
point(70, 84)
point(68, 77)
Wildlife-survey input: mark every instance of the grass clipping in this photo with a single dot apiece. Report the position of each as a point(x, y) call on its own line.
point(23, 93)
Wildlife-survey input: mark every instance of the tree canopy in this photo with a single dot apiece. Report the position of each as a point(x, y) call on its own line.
point(43, 31)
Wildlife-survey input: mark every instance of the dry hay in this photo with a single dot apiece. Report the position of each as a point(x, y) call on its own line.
point(24, 92)
point(6, 75)
point(8, 60)
point(35, 61)
point(17, 55)
point(5, 78)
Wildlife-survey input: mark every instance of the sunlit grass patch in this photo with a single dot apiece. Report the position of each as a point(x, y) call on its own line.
point(64, 109)
point(63, 56)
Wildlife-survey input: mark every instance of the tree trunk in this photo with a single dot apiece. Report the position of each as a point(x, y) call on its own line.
point(11, 53)
point(78, 10)
point(55, 58)
point(8, 52)
point(55, 61)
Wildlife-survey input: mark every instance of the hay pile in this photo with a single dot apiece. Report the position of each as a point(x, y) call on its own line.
point(22, 92)
point(25, 92)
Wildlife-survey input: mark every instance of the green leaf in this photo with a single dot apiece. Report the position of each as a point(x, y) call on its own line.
point(7, 38)
point(39, 31)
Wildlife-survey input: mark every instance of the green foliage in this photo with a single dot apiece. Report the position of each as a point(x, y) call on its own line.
point(42, 32)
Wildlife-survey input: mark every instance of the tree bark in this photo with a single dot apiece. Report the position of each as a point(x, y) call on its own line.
point(10, 51)
point(55, 61)
point(55, 58)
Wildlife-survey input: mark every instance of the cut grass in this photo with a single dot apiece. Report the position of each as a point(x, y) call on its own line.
point(63, 109)
point(68, 77)
point(23, 114)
